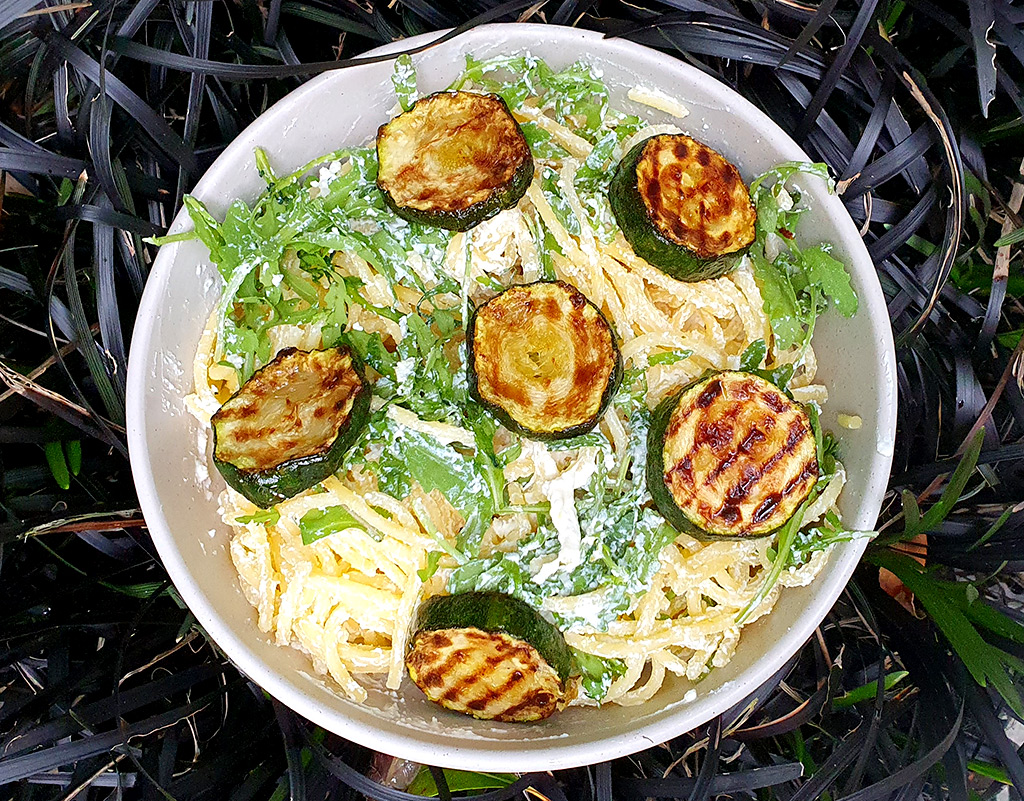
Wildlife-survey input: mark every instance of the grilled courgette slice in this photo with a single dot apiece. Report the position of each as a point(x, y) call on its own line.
point(453, 160)
point(682, 207)
point(543, 359)
point(730, 457)
point(489, 655)
point(290, 425)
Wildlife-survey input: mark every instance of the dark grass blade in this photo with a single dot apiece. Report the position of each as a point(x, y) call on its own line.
point(731, 782)
point(62, 114)
point(955, 176)
point(83, 338)
point(982, 712)
point(322, 16)
point(155, 125)
point(99, 712)
point(40, 163)
point(107, 216)
point(831, 78)
point(99, 140)
point(197, 83)
point(910, 773)
point(893, 162)
point(107, 307)
point(59, 313)
point(245, 72)
point(130, 243)
point(869, 137)
point(887, 244)
point(293, 752)
point(571, 10)
point(21, 767)
point(10, 10)
point(814, 24)
point(944, 381)
point(603, 790)
point(983, 17)
point(702, 787)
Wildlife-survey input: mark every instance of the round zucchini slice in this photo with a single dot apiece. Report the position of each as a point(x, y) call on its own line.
point(489, 655)
point(543, 359)
point(290, 425)
point(682, 207)
point(453, 160)
point(730, 457)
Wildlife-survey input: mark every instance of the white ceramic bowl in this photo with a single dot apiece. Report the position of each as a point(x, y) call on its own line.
point(179, 498)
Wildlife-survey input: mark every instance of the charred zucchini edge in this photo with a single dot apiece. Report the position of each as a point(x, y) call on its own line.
point(614, 380)
point(655, 469)
point(498, 612)
point(269, 486)
point(643, 235)
point(500, 198)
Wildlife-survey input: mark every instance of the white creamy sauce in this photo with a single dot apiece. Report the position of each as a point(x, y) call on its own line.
point(561, 494)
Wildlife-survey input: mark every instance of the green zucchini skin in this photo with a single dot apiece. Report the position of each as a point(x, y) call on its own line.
point(497, 612)
point(663, 499)
point(647, 241)
point(655, 472)
point(464, 219)
point(456, 218)
point(269, 486)
point(612, 386)
point(491, 656)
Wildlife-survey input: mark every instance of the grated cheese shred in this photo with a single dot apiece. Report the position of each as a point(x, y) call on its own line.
point(349, 599)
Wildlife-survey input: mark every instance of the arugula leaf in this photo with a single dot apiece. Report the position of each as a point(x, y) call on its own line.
point(546, 246)
point(787, 169)
point(268, 517)
point(830, 275)
point(529, 72)
point(595, 173)
point(780, 302)
point(559, 205)
point(814, 417)
point(796, 284)
point(669, 357)
point(754, 354)
point(413, 456)
point(433, 560)
point(404, 80)
point(319, 523)
point(819, 538)
point(639, 560)
point(540, 142)
point(502, 572)
point(786, 538)
point(371, 350)
point(208, 230)
point(597, 673)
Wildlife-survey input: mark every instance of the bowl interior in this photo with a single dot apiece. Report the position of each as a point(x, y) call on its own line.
point(179, 494)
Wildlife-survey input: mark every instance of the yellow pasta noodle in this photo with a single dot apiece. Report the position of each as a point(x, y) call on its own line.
point(349, 599)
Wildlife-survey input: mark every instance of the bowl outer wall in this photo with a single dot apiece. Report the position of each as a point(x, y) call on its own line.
point(178, 496)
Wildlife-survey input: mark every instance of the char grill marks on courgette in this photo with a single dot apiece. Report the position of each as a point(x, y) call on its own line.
point(544, 359)
point(489, 655)
point(682, 206)
point(289, 426)
point(453, 160)
point(730, 457)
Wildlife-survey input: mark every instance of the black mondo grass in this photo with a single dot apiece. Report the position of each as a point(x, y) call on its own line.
point(111, 110)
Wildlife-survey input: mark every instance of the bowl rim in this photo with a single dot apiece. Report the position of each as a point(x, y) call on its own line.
point(503, 755)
